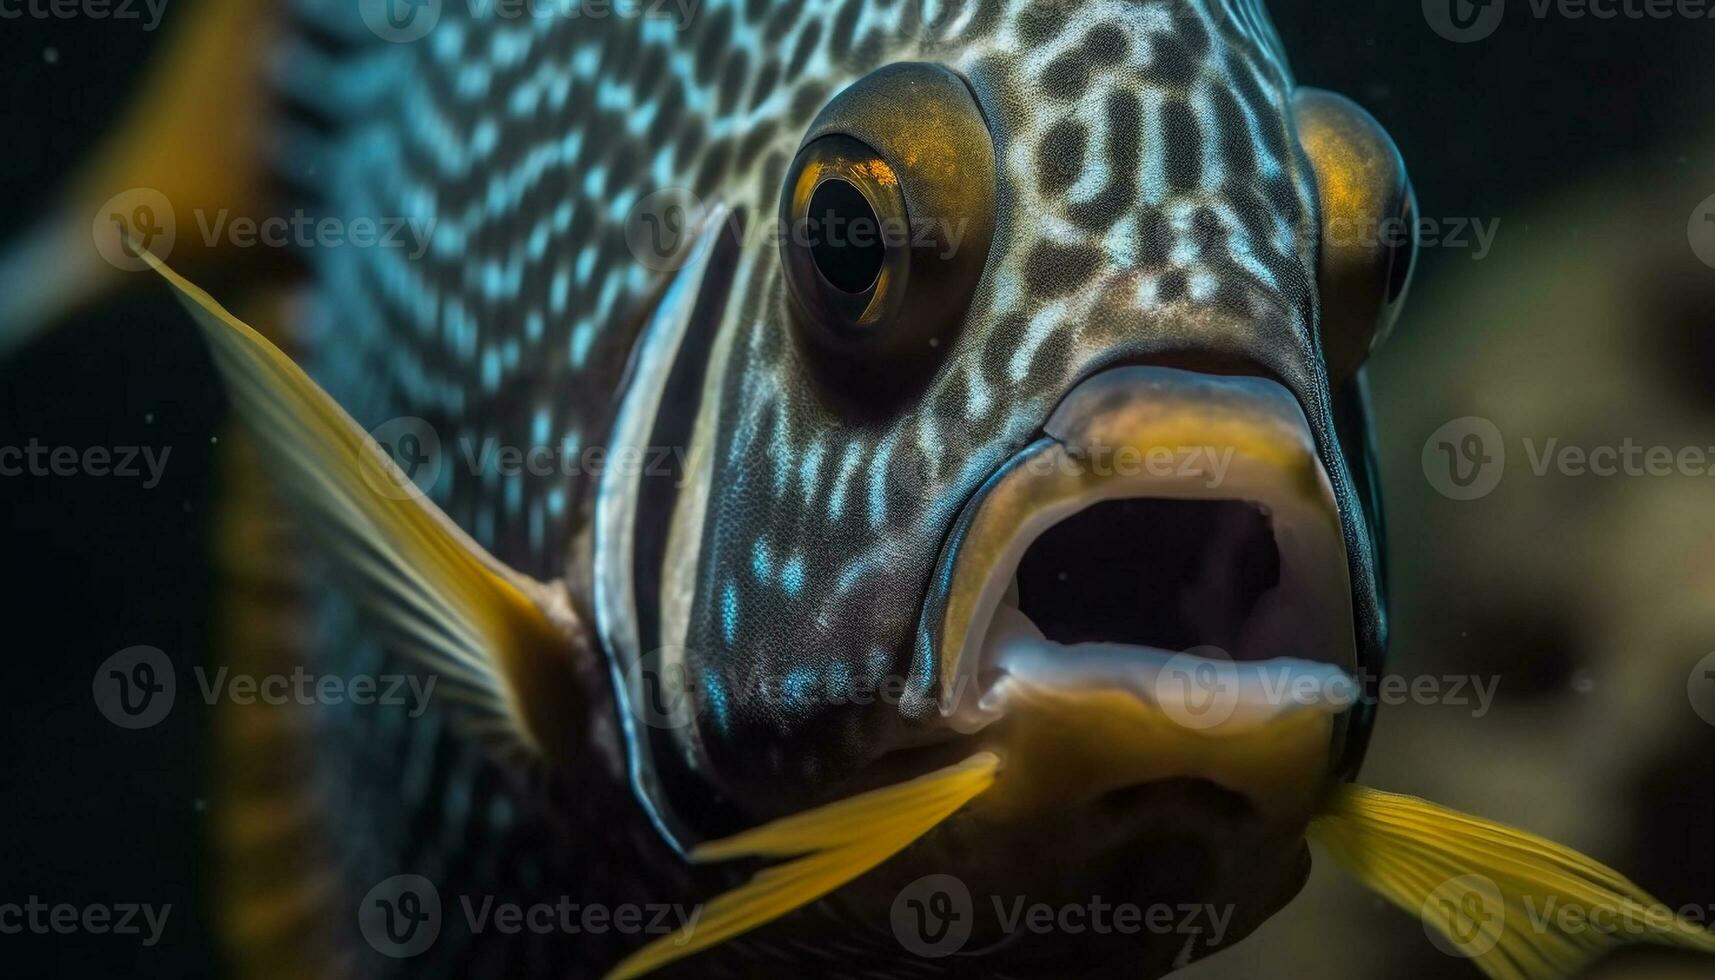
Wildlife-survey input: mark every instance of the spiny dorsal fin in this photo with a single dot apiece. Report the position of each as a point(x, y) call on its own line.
point(832, 845)
point(1522, 907)
point(504, 647)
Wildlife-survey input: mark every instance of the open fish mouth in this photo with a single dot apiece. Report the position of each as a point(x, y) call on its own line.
point(1172, 536)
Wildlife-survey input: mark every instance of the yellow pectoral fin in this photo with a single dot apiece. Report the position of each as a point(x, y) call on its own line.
point(1522, 907)
point(838, 842)
point(502, 648)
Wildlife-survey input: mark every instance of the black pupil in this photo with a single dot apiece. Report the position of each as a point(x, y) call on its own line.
point(845, 236)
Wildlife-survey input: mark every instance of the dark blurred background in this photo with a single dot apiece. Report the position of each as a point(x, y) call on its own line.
point(1589, 320)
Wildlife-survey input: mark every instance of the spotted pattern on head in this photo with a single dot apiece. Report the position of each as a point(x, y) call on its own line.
point(1152, 201)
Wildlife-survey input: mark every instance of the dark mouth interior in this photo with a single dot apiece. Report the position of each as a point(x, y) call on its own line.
point(1170, 574)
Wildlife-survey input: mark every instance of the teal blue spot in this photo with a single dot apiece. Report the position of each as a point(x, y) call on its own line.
point(792, 576)
point(761, 562)
point(729, 614)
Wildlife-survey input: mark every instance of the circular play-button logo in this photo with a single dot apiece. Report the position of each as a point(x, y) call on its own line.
point(401, 917)
point(400, 21)
point(1464, 21)
point(129, 224)
point(932, 917)
point(1199, 688)
point(135, 687)
point(1465, 459)
point(1701, 232)
point(401, 458)
point(1465, 916)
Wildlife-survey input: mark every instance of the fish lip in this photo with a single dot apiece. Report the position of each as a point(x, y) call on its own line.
point(961, 609)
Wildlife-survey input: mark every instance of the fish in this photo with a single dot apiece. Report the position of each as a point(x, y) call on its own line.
point(847, 466)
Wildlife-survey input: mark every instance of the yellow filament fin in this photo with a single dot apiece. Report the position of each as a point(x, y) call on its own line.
point(503, 649)
point(832, 845)
point(1521, 907)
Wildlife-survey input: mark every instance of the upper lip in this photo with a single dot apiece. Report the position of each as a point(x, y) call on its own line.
point(1098, 446)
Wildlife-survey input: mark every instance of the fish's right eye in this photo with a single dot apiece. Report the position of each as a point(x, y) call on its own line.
point(886, 213)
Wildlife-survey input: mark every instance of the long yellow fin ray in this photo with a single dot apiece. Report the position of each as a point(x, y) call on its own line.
point(840, 841)
point(506, 646)
point(1523, 908)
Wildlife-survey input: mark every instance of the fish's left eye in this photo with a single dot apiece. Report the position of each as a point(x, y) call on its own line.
point(886, 216)
point(1369, 226)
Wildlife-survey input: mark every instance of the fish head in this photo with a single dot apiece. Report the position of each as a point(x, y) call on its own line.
point(1038, 426)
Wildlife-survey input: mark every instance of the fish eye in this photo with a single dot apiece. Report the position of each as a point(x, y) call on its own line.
point(847, 244)
point(850, 265)
point(886, 216)
point(1369, 233)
